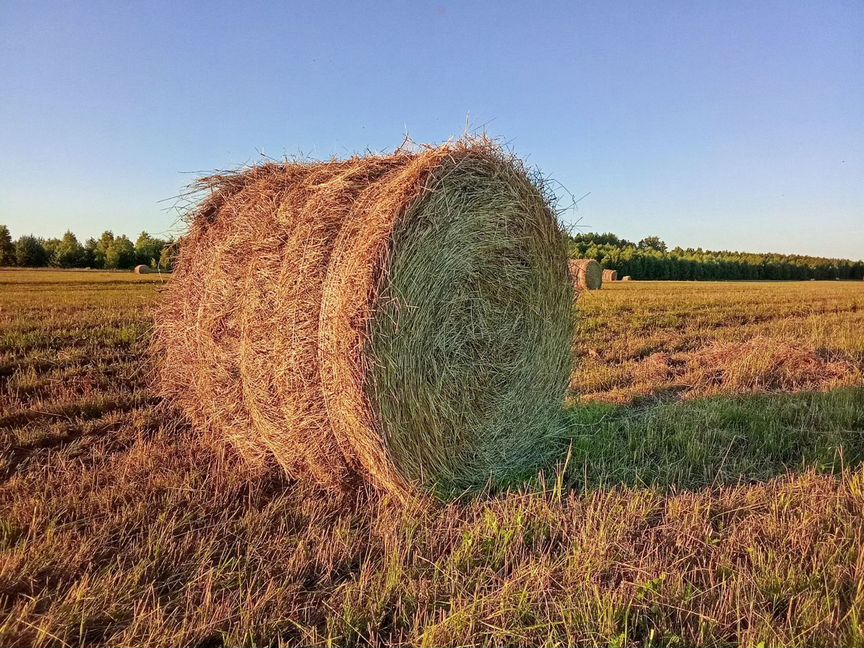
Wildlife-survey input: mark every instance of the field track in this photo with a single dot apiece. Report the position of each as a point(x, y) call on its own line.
point(710, 491)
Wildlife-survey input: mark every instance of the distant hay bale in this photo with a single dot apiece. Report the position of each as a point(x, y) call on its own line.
point(403, 320)
point(626, 278)
point(141, 269)
point(586, 274)
point(610, 275)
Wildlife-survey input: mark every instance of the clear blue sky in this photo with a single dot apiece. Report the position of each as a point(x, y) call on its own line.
point(736, 125)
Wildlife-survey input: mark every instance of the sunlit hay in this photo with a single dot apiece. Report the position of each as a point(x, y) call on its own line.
point(626, 278)
point(587, 274)
point(403, 320)
point(762, 365)
point(141, 269)
point(610, 275)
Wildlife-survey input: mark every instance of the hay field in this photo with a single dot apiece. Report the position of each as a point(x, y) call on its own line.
point(711, 494)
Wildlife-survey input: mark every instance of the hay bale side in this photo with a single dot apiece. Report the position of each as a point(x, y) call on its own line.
point(141, 269)
point(403, 320)
point(586, 274)
point(610, 275)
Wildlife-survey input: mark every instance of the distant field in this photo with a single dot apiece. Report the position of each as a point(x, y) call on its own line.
point(698, 338)
point(710, 491)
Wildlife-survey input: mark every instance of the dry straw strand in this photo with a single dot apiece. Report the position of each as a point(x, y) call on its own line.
point(403, 320)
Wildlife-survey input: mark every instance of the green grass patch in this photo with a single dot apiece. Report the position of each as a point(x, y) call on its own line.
point(715, 441)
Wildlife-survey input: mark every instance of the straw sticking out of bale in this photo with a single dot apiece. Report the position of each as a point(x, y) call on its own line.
point(610, 275)
point(403, 320)
point(141, 269)
point(586, 274)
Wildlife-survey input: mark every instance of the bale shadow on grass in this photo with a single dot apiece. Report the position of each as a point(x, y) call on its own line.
point(721, 440)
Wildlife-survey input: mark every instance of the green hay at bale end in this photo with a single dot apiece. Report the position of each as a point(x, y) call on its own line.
point(469, 345)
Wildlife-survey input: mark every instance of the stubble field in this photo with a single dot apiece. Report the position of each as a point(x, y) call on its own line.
point(709, 491)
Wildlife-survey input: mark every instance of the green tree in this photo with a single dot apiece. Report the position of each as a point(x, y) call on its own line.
point(69, 252)
point(90, 247)
point(98, 248)
point(7, 248)
point(652, 243)
point(120, 253)
point(29, 252)
point(168, 256)
point(50, 246)
point(148, 249)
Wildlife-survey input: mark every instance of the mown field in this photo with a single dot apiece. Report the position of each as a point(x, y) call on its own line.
point(710, 491)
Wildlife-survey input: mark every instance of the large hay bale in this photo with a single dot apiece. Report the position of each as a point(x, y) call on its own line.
point(610, 275)
point(586, 274)
point(141, 269)
point(403, 320)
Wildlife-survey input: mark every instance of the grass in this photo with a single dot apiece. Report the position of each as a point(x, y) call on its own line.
point(716, 501)
point(647, 339)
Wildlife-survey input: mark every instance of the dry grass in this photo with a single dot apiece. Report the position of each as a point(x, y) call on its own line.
point(650, 339)
point(735, 519)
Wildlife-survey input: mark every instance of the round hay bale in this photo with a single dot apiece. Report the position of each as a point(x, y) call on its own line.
point(610, 275)
point(402, 320)
point(626, 278)
point(586, 274)
point(141, 269)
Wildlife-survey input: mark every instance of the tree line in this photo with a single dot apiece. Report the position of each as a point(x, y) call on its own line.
point(648, 259)
point(107, 252)
point(651, 259)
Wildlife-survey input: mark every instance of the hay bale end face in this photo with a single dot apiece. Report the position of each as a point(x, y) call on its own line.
point(141, 269)
point(610, 275)
point(403, 320)
point(586, 274)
